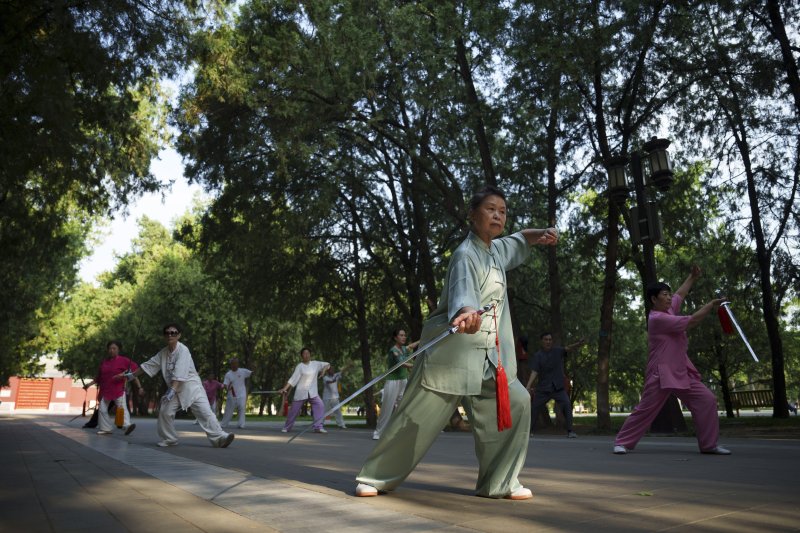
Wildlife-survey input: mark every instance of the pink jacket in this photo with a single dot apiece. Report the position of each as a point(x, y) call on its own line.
point(668, 346)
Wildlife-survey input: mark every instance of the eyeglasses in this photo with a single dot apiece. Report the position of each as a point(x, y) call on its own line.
point(172, 333)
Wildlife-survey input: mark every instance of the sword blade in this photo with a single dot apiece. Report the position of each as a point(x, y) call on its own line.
point(347, 400)
point(728, 310)
point(446, 333)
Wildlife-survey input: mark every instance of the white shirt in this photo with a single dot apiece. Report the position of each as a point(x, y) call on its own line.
point(234, 380)
point(331, 382)
point(304, 379)
point(177, 366)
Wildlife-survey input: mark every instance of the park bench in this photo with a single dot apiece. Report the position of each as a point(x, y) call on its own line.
point(752, 398)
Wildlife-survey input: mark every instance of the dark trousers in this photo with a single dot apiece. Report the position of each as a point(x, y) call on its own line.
point(540, 399)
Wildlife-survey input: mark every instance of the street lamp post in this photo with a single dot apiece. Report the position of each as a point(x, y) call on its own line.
point(645, 229)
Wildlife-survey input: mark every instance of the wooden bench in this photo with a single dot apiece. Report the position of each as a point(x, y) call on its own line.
point(752, 398)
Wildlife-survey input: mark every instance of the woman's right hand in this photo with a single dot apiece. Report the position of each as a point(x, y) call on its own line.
point(468, 321)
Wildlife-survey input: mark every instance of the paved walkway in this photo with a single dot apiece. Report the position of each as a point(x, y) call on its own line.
point(59, 477)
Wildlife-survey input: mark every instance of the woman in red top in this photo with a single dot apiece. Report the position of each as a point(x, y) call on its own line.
point(112, 387)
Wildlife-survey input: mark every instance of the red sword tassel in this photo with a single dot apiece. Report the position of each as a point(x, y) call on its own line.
point(503, 403)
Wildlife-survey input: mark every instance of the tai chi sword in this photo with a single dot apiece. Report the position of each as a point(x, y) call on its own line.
point(729, 313)
point(446, 333)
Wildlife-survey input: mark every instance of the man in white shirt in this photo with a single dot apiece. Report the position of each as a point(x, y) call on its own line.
point(184, 391)
point(235, 382)
point(304, 380)
point(330, 394)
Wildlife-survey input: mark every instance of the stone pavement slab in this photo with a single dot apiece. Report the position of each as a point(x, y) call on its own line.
point(578, 484)
point(50, 483)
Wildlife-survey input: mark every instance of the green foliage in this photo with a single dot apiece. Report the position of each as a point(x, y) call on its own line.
point(340, 140)
point(80, 119)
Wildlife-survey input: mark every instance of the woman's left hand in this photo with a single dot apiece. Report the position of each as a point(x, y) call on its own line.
point(549, 236)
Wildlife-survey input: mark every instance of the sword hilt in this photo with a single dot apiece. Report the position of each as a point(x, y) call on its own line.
point(485, 309)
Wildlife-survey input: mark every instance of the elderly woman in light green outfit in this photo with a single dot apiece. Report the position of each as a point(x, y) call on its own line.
point(462, 368)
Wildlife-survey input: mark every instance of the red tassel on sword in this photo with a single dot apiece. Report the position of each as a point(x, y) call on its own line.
point(503, 403)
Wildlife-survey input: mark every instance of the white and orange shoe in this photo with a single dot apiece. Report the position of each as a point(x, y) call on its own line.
point(520, 494)
point(363, 490)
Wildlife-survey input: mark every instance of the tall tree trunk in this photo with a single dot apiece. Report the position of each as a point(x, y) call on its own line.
point(553, 277)
point(475, 116)
point(607, 318)
point(780, 407)
point(419, 236)
point(778, 29)
point(363, 332)
point(731, 105)
point(610, 266)
point(725, 385)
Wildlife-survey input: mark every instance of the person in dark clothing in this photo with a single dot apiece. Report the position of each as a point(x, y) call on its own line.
point(548, 365)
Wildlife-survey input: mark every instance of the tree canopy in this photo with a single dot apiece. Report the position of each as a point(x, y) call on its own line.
point(339, 141)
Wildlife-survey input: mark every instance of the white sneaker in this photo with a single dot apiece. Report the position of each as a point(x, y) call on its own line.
point(103, 432)
point(520, 494)
point(620, 450)
point(572, 435)
point(342, 427)
point(376, 436)
point(166, 443)
point(320, 430)
point(718, 450)
point(284, 430)
point(365, 491)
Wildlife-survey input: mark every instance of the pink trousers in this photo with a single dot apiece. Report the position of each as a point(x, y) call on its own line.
point(701, 402)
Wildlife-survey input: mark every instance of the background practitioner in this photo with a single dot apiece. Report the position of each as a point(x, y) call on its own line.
point(112, 388)
point(212, 388)
point(395, 384)
point(184, 391)
point(236, 380)
point(669, 370)
point(330, 393)
point(548, 365)
point(304, 380)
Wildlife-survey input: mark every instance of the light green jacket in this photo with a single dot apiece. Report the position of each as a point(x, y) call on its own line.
point(475, 277)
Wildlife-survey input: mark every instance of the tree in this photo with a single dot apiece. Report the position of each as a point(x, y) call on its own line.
point(80, 120)
point(741, 79)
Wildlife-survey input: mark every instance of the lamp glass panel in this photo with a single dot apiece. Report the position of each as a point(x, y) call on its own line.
point(659, 161)
point(616, 176)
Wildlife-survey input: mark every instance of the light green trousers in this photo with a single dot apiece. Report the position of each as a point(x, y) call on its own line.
point(420, 419)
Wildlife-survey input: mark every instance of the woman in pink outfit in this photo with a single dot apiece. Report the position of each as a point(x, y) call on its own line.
point(669, 370)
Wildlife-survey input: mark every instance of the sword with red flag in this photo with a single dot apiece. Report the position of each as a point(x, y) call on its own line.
point(729, 323)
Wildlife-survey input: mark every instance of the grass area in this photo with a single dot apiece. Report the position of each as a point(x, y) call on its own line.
point(760, 426)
